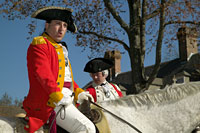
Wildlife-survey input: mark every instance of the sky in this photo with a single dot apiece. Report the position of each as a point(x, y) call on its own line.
point(14, 45)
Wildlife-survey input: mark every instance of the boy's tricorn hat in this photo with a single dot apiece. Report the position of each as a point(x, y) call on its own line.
point(56, 13)
point(98, 65)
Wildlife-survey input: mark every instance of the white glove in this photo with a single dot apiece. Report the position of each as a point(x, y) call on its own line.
point(66, 100)
point(84, 96)
point(67, 97)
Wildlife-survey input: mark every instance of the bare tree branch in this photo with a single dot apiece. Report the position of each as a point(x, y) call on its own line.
point(3, 11)
point(181, 22)
point(157, 11)
point(107, 38)
point(116, 15)
point(153, 14)
point(16, 3)
point(158, 46)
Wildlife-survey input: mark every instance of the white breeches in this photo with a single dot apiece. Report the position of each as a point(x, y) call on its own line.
point(74, 121)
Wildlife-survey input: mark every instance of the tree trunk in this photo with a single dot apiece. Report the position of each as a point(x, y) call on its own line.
point(136, 49)
point(137, 72)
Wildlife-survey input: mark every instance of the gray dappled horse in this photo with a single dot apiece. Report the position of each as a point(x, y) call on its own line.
point(175, 109)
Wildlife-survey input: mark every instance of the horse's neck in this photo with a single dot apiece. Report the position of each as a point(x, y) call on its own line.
point(175, 109)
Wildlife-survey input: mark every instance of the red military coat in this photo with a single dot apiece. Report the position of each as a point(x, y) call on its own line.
point(46, 69)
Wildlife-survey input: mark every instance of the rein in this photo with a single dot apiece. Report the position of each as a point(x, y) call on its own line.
point(132, 126)
point(62, 107)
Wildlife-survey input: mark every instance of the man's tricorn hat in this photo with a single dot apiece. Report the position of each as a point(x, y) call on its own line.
point(98, 65)
point(56, 13)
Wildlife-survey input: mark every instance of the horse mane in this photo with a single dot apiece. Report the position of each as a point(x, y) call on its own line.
point(148, 99)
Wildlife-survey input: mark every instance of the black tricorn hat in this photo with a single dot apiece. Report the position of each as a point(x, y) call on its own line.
point(56, 13)
point(98, 65)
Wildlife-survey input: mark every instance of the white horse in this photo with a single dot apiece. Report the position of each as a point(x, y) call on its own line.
point(6, 125)
point(175, 109)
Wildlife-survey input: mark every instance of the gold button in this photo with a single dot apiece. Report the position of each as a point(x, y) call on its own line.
point(27, 126)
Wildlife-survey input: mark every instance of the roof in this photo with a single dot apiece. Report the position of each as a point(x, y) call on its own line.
point(167, 68)
point(173, 67)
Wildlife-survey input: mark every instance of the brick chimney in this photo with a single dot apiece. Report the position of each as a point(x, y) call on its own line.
point(115, 56)
point(187, 38)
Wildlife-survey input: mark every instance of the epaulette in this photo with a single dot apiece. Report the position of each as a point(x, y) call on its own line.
point(38, 40)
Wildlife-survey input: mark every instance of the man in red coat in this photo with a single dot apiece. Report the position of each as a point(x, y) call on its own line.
point(50, 75)
point(100, 89)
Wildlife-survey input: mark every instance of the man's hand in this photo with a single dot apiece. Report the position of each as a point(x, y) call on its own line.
point(67, 98)
point(84, 96)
